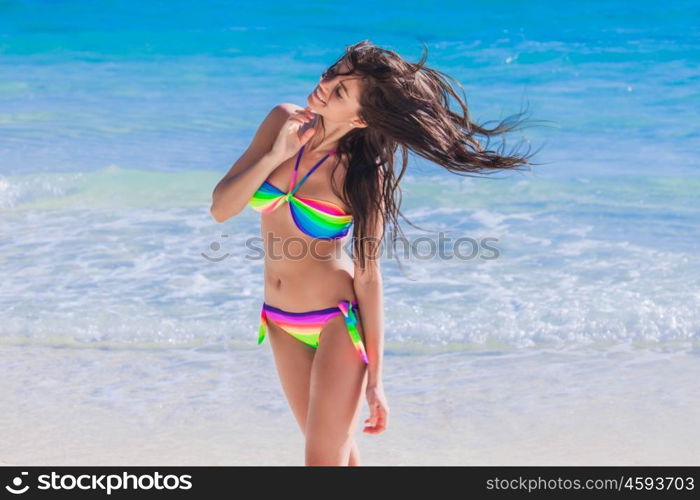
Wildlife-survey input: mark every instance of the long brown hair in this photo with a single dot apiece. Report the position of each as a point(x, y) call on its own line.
point(406, 106)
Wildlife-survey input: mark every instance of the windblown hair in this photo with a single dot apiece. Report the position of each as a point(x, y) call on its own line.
point(406, 106)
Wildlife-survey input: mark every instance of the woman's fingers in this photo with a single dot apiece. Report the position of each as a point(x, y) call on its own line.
point(300, 119)
point(381, 422)
point(306, 136)
point(377, 421)
point(374, 429)
point(304, 113)
point(372, 414)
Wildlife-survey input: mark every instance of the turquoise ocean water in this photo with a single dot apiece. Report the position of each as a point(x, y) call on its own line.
point(118, 118)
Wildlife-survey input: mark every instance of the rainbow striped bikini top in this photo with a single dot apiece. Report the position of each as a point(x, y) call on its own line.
point(317, 218)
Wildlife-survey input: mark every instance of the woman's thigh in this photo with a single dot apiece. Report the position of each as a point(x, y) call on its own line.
point(293, 359)
point(338, 377)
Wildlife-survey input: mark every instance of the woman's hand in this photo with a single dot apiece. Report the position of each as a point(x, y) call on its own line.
point(378, 408)
point(290, 138)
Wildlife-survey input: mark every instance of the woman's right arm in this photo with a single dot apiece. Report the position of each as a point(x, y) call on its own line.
point(233, 192)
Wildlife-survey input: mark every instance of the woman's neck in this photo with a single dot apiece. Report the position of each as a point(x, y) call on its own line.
point(329, 141)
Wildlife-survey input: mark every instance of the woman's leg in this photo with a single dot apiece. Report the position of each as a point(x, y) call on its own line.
point(293, 359)
point(355, 450)
point(354, 454)
point(338, 378)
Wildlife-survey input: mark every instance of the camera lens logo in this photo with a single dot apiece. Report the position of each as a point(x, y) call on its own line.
point(215, 247)
point(17, 482)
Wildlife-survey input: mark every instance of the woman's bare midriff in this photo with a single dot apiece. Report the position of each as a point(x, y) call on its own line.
point(303, 273)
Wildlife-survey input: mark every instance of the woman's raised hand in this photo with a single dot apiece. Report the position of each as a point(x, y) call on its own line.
point(294, 134)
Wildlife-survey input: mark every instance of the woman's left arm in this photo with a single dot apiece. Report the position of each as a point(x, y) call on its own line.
point(367, 283)
point(368, 290)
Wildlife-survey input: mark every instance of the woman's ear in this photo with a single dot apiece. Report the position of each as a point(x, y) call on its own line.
point(358, 124)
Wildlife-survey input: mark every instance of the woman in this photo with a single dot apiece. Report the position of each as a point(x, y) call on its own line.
point(332, 164)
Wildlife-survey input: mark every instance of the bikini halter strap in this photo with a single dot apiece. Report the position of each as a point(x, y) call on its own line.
point(296, 170)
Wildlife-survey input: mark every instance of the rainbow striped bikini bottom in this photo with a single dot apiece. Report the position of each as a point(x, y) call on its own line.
point(306, 326)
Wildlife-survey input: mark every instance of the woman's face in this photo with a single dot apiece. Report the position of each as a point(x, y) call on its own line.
point(336, 97)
